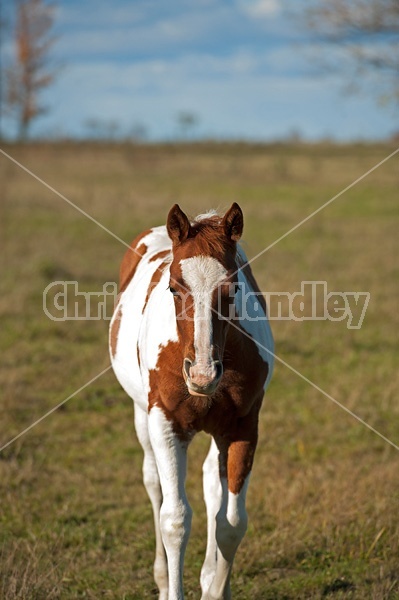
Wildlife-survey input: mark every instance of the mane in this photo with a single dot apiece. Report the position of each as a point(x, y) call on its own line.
point(211, 215)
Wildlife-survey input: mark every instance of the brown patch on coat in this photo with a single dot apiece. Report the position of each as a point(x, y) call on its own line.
point(241, 451)
point(163, 254)
point(206, 238)
point(131, 259)
point(155, 279)
point(230, 415)
point(115, 331)
point(240, 459)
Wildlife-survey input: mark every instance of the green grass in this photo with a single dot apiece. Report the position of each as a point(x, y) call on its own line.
point(75, 521)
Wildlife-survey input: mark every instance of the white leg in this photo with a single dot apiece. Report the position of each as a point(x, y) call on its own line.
point(153, 487)
point(171, 457)
point(231, 519)
point(231, 525)
point(213, 501)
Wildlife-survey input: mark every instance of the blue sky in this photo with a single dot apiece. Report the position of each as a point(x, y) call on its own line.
point(241, 66)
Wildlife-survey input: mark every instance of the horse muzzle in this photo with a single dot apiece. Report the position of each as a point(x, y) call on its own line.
point(202, 380)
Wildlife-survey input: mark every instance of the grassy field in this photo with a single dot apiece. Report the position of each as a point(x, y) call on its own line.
point(75, 521)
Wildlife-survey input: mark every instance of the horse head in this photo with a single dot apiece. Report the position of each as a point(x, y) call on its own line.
point(203, 282)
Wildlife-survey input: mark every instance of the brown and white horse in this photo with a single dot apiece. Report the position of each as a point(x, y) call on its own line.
point(191, 345)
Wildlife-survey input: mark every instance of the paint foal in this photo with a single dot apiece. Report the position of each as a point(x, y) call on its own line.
point(193, 356)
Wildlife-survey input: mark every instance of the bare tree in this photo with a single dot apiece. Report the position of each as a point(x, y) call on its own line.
point(31, 71)
point(186, 122)
point(365, 37)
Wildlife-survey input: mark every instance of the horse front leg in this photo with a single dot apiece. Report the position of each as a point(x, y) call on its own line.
point(153, 487)
point(175, 514)
point(231, 519)
point(213, 500)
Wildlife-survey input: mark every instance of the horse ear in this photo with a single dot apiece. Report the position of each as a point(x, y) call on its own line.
point(177, 224)
point(233, 222)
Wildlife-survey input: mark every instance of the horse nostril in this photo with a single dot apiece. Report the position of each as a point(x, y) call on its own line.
point(219, 369)
point(186, 366)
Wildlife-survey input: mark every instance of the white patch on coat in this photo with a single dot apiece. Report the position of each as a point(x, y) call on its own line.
point(144, 332)
point(258, 329)
point(202, 275)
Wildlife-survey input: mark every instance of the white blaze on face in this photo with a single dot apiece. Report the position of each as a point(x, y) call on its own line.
point(202, 275)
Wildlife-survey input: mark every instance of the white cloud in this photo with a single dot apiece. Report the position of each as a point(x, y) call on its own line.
point(260, 8)
point(229, 100)
point(142, 29)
